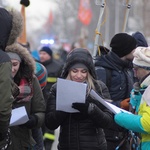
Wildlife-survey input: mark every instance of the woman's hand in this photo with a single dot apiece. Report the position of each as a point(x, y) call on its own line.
point(82, 107)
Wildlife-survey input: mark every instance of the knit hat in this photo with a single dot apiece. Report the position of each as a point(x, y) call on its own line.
point(122, 44)
point(79, 56)
point(140, 39)
point(79, 65)
point(15, 56)
point(26, 58)
point(41, 74)
point(142, 57)
point(47, 50)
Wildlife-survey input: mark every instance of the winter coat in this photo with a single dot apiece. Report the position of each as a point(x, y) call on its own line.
point(21, 135)
point(6, 95)
point(80, 131)
point(121, 81)
point(10, 28)
point(35, 104)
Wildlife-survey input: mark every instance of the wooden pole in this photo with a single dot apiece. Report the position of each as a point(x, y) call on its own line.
point(23, 39)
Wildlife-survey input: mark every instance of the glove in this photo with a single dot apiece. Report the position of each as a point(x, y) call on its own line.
point(135, 100)
point(32, 122)
point(82, 107)
point(124, 104)
point(26, 3)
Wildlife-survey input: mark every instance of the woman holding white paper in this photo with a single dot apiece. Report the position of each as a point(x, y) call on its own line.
point(30, 96)
point(81, 130)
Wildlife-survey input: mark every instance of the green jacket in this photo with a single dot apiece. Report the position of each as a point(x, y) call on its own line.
point(22, 136)
point(6, 98)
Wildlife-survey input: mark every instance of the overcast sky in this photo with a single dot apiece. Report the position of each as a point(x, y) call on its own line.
point(36, 13)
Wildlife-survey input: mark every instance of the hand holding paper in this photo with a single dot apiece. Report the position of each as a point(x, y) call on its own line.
point(82, 107)
point(108, 105)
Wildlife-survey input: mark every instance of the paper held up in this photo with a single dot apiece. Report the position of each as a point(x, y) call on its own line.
point(19, 116)
point(107, 104)
point(69, 92)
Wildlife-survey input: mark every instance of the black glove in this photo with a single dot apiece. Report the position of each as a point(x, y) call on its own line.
point(82, 107)
point(32, 122)
point(26, 3)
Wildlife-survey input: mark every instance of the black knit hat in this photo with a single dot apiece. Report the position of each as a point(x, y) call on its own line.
point(47, 50)
point(76, 56)
point(122, 44)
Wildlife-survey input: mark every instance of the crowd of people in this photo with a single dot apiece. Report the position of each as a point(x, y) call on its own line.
point(119, 75)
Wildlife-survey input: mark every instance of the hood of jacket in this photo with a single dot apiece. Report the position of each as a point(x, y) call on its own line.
point(79, 55)
point(140, 39)
point(17, 26)
point(11, 24)
point(24, 55)
point(5, 27)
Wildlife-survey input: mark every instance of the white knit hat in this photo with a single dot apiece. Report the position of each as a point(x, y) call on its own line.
point(142, 57)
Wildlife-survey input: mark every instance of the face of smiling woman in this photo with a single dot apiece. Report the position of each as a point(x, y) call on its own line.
point(78, 74)
point(15, 66)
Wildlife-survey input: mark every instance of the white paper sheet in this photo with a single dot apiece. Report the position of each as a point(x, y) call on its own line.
point(69, 92)
point(110, 106)
point(19, 116)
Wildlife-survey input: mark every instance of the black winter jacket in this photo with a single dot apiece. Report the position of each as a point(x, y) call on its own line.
point(121, 82)
point(79, 131)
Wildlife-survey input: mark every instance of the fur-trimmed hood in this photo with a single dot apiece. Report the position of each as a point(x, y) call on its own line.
point(17, 26)
point(24, 55)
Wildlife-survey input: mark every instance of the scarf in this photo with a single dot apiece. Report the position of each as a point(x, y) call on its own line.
point(26, 91)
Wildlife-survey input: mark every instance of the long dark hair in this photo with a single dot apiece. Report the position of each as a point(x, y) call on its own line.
point(23, 72)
